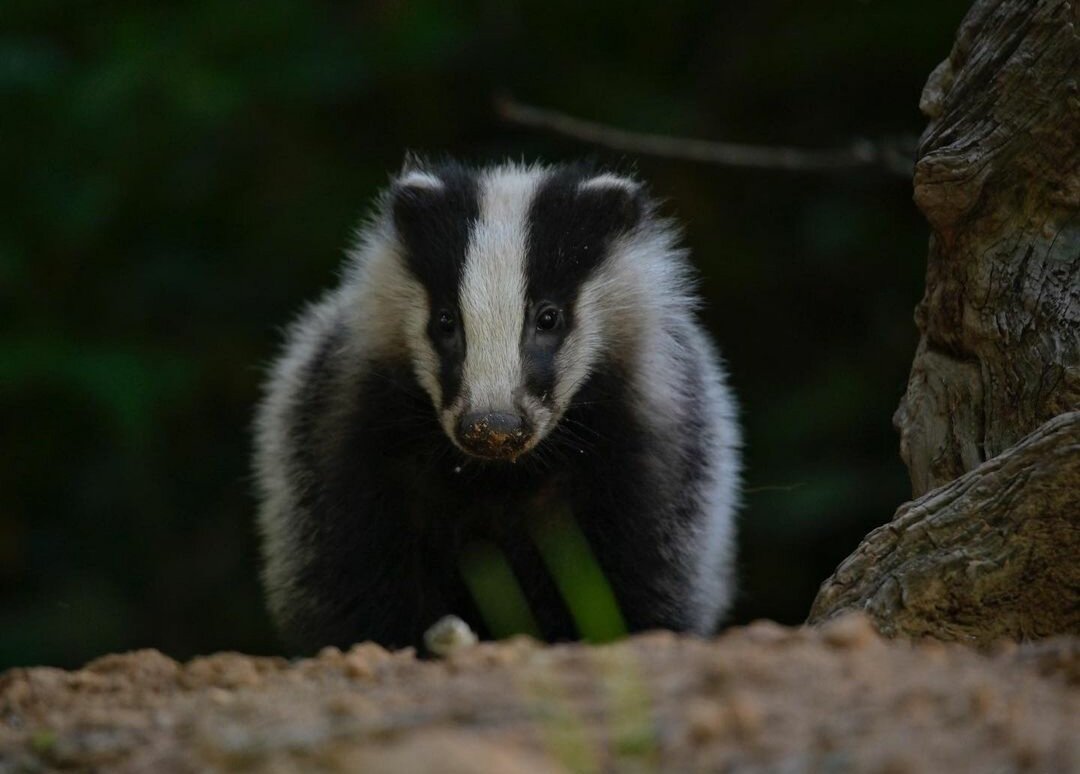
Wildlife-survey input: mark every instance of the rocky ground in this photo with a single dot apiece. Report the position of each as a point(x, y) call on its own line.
point(759, 698)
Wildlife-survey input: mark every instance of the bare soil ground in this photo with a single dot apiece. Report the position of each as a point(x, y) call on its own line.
point(758, 698)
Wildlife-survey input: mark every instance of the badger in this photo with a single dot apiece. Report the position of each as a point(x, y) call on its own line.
point(505, 343)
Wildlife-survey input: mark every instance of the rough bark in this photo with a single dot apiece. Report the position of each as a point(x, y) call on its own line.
point(993, 554)
point(998, 178)
point(996, 552)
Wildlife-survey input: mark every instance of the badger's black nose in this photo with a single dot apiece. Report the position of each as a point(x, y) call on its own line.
point(493, 434)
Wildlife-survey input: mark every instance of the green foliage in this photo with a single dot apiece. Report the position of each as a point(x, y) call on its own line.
point(43, 741)
point(579, 578)
point(498, 596)
point(581, 582)
point(179, 178)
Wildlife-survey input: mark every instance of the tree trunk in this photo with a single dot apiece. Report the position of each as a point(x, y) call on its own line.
point(997, 552)
point(998, 178)
point(994, 554)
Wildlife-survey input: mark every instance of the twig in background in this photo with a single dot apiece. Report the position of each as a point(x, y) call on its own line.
point(894, 155)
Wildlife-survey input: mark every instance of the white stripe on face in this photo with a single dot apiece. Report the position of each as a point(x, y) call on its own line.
point(492, 296)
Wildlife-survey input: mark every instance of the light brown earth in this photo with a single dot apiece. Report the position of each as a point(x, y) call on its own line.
point(759, 698)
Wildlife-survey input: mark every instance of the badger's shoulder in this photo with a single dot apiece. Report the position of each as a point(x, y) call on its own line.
point(281, 419)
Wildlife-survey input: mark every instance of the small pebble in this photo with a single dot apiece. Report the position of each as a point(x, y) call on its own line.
point(449, 634)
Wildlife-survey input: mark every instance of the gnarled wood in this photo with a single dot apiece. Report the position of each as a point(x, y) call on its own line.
point(998, 178)
point(994, 554)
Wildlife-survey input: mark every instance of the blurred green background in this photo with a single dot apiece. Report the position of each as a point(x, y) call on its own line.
point(180, 178)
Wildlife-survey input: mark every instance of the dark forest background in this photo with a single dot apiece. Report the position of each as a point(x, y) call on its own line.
point(180, 178)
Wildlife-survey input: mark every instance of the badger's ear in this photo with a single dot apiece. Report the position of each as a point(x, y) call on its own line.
point(415, 195)
point(617, 202)
point(414, 179)
point(412, 162)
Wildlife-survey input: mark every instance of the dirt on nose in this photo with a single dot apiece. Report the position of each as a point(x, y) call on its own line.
point(487, 437)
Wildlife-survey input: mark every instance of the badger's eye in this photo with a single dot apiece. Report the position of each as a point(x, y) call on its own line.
point(548, 320)
point(446, 322)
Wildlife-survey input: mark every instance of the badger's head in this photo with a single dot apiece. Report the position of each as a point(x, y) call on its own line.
point(515, 290)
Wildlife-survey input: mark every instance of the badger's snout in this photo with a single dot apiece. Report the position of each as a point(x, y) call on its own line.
point(493, 434)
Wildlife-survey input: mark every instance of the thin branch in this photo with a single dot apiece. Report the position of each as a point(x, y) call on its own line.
point(892, 155)
point(773, 488)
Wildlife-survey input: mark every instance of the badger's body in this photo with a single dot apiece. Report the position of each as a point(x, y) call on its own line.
point(506, 344)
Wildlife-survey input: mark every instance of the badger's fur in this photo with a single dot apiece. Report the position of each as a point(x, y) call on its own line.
point(505, 343)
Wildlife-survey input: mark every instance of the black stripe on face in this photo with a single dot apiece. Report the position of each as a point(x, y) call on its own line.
point(433, 224)
point(571, 228)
